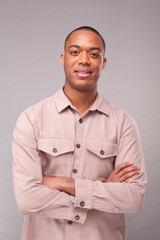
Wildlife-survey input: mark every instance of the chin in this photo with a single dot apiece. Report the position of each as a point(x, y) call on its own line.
point(84, 87)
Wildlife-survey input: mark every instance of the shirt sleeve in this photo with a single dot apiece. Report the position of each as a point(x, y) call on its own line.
point(32, 197)
point(117, 197)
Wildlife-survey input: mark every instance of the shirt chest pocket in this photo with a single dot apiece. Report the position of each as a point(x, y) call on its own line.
point(56, 155)
point(100, 158)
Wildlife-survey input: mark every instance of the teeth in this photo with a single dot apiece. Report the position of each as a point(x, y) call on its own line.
point(84, 72)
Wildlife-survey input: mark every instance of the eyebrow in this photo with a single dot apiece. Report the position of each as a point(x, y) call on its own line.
point(76, 46)
point(91, 49)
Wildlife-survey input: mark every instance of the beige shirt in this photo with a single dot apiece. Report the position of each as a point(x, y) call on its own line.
point(52, 138)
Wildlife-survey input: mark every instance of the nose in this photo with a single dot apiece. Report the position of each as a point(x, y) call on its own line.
point(84, 58)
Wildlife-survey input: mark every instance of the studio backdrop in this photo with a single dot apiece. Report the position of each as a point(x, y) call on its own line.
point(32, 34)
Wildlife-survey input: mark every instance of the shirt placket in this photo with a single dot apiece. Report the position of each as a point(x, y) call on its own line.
point(79, 146)
point(71, 226)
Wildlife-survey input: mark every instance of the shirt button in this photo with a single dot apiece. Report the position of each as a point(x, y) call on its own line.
point(82, 204)
point(81, 120)
point(70, 222)
point(102, 152)
point(77, 217)
point(54, 150)
point(78, 145)
point(74, 170)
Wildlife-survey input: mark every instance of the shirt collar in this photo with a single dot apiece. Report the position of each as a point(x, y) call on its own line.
point(62, 102)
point(100, 105)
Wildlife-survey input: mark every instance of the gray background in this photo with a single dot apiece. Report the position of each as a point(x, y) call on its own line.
point(32, 33)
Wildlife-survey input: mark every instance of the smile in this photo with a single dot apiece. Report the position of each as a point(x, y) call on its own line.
point(83, 73)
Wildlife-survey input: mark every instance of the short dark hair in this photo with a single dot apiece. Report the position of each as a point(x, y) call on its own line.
point(87, 28)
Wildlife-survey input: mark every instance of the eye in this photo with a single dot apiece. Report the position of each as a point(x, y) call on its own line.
point(74, 53)
point(95, 55)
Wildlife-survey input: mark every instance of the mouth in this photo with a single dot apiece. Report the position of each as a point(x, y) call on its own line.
point(83, 73)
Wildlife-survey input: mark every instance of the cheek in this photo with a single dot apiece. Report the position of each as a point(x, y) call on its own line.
point(69, 65)
point(98, 70)
point(66, 68)
point(97, 65)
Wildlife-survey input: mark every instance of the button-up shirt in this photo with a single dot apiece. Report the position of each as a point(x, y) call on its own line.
point(52, 138)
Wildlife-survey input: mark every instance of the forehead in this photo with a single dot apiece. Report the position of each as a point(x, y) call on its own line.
point(85, 38)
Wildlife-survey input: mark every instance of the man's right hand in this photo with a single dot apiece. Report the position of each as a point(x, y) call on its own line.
point(123, 173)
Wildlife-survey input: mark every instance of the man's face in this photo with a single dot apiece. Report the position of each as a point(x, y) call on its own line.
point(83, 60)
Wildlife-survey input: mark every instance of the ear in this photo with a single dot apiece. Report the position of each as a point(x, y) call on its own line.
point(62, 59)
point(104, 63)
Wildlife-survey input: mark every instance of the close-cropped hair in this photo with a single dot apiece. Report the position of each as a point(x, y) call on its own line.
point(87, 28)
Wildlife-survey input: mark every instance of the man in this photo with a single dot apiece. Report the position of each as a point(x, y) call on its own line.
point(78, 164)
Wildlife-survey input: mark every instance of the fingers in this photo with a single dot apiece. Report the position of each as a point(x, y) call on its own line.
point(125, 171)
point(128, 171)
point(122, 166)
point(126, 177)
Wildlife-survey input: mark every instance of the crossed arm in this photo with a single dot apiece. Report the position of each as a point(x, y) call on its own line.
point(34, 193)
point(122, 173)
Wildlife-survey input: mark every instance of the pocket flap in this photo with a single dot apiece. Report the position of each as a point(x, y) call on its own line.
point(102, 149)
point(55, 146)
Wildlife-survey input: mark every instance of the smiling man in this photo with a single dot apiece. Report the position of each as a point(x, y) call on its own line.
point(78, 163)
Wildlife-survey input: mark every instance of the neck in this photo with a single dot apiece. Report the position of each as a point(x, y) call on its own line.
point(81, 100)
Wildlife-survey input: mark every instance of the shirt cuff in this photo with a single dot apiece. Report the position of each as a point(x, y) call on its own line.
point(69, 213)
point(78, 215)
point(84, 193)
